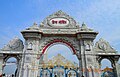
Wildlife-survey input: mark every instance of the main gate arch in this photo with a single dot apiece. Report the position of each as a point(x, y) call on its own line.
point(52, 42)
point(60, 28)
point(67, 42)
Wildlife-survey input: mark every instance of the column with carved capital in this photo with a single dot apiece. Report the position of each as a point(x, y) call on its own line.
point(1, 64)
point(80, 61)
point(116, 66)
point(30, 59)
point(86, 37)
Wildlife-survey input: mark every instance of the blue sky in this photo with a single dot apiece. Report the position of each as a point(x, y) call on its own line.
point(101, 15)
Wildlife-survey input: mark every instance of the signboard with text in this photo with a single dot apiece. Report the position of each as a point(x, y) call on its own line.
point(59, 22)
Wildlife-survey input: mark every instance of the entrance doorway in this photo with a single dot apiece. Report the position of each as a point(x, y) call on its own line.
point(59, 60)
point(106, 68)
point(10, 67)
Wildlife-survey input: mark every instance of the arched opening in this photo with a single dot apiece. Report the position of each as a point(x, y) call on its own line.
point(105, 63)
point(106, 68)
point(10, 67)
point(59, 58)
point(57, 41)
point(62, 49)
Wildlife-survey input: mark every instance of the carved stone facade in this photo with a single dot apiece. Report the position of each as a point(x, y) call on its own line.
point(59, 28)
point(13, 49)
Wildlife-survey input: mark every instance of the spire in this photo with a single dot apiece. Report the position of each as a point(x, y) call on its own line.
point(33, 27)
point(85, 28)
point(34, 24)
point(60, 12)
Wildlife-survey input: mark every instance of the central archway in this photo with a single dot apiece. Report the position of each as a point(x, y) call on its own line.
point(59, 41)
point(64, 62)
point(70, 44)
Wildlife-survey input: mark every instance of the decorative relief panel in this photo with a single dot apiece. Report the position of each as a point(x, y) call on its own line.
point(14, 45)
point(28, 58)
point(88, 45)
point(89, 59)
point(103, 46)
point(30, 46)
point(59, 20)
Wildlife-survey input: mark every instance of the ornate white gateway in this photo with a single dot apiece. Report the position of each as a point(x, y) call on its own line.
point(59, 28)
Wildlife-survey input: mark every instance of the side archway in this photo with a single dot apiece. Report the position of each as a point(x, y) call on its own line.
point(11, 65)
point(110, 68)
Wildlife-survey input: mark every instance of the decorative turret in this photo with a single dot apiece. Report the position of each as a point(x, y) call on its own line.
point(33, 27)
point(86, 33)
point(102, 46)
point(84, 28)
point(32, 31)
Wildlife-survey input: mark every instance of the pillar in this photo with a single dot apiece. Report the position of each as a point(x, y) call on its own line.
point(1, 64)
point(30, 53)
point(86, 51)
point(116, 66)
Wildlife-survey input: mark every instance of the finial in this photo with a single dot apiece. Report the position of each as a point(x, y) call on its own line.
point(84, 27)
point(34, 27)
point(34, 24)
point(60, 11)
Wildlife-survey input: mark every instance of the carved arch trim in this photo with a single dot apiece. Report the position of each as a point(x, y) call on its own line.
point(100, 58)
point(17, 57)
point(68, 42)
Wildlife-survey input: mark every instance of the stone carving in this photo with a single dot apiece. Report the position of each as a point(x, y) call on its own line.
point(28, 58)
point(30, 46)
point(103, 46)
point(14, 45)
point(84, 28)
point(59, 14)
point(47, 40)
point(39, 38)
point(89, 59)
point(88, 45)
point(33, 27)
